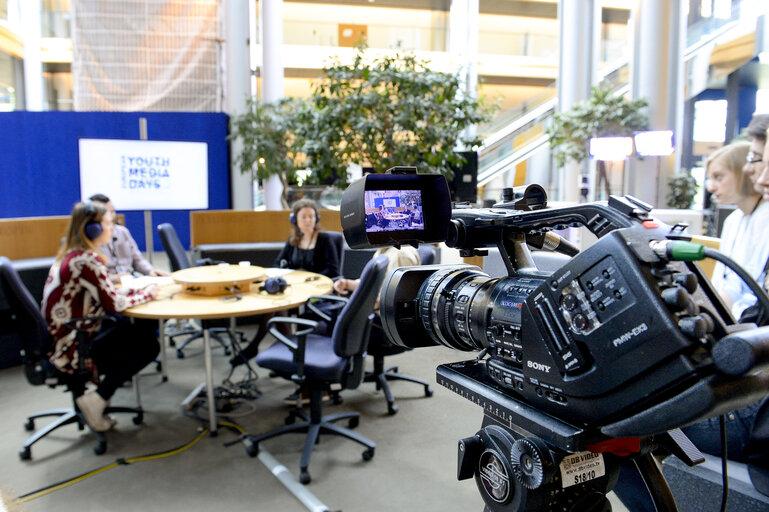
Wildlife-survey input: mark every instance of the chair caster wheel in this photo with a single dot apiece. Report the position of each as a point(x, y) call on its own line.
point(336, 399)
point(29, 426)
point(100, 448)
point(227, 352)
point(290, 419)
point(138, 419)
point(159, 367)
point(25, 454)
point(179, 354)
point(171, 343)
point(353, 422)
point(428, 391)
point(252, 449)
point(392, 409)
point(304, 477)
point(368, 454)
point(165, 378)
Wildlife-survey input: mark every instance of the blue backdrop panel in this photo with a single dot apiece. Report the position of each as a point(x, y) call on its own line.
point(40, 171)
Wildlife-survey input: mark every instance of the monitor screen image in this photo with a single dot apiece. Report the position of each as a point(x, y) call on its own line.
point(393, 210)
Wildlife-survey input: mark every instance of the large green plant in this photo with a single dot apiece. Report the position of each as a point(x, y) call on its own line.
point(269, 134)
point(603, 114)
point(387, 111)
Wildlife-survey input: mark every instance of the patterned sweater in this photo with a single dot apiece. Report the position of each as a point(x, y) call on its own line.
point(76, 287)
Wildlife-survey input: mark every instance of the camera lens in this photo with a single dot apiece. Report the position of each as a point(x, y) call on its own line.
point(452, 305)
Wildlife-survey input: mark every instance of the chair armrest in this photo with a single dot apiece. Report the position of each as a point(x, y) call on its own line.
point(341, 302)
point(296, 347)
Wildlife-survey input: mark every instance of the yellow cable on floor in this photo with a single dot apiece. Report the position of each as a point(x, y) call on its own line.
point(120, 462)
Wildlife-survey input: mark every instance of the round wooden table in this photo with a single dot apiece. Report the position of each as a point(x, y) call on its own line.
point(397, 218)
point(173, 302)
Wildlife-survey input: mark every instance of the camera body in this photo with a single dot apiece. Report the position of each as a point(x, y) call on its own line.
point(615, 346)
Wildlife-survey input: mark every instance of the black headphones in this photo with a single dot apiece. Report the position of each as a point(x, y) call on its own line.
point(292, 215)
point(92, 228)
point(274, 285)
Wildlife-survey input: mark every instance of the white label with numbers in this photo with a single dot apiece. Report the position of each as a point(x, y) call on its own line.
point(582, 467)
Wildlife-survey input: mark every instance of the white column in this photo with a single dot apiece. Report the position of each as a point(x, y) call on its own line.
point(463, 45)
point(30, 13)
point(656, 74)
point(237, 89)
point(579, 27)
point(272, 79)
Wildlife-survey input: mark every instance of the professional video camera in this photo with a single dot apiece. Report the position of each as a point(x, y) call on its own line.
point(580, 369)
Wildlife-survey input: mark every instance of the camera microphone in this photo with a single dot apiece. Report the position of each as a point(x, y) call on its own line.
point(552, 242)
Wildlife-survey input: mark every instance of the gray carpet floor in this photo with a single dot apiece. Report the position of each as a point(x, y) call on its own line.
point(414, 468)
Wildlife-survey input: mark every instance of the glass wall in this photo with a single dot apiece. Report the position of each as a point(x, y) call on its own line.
point(378, 27)
point(7, 81)
point(57, 79)
point(56, 18)
point(519, 36)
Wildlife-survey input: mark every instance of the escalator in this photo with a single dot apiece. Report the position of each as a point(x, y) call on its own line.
point(714, 48)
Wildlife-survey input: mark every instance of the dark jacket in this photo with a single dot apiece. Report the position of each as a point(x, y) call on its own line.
point(325, 257)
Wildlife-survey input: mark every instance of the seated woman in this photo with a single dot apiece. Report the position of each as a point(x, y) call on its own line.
point(78, 286)
point(745, 229)
point(308, 248)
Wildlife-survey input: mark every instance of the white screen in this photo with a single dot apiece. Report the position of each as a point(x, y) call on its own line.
point(145, 174)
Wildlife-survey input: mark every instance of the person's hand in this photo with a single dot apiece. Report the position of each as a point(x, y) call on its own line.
point(158, 273)
point(340, 286)
point(152, 290)
point(117, 278)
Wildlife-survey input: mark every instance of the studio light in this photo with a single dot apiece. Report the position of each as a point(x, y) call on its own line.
point(611, 148)
point(654, 143)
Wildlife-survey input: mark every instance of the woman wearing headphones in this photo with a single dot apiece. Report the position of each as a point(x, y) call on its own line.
point(78, 286)
point(308, 247)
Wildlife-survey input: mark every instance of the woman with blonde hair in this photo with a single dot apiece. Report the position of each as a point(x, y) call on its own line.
point(745, 230)
point(78, 288)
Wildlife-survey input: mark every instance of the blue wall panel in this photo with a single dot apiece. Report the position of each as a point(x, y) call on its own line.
point(39, 166)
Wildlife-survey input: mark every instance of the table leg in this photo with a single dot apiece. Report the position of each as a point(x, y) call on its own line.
point(209, 382)
point(162, 340)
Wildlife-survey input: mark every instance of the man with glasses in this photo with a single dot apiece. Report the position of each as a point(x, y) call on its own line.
point(756, 132)
point(122, 252)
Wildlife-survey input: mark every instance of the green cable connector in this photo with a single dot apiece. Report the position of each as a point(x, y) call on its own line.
point(686, 251)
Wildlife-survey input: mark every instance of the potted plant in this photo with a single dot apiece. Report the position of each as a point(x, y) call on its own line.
point(683, 187)
point(378, 113)
point(388, 111)
point(271, 145)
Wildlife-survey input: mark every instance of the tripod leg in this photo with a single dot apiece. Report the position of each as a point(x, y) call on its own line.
point(655, 481)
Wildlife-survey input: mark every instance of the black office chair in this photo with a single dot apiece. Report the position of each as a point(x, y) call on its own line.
point(380, 347)
point(315, 362)
point(177, 256)
point(337, 239)
point(426, 254)
point(36, 340)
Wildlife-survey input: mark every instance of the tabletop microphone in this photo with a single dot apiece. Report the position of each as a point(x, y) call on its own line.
point(283, 263)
